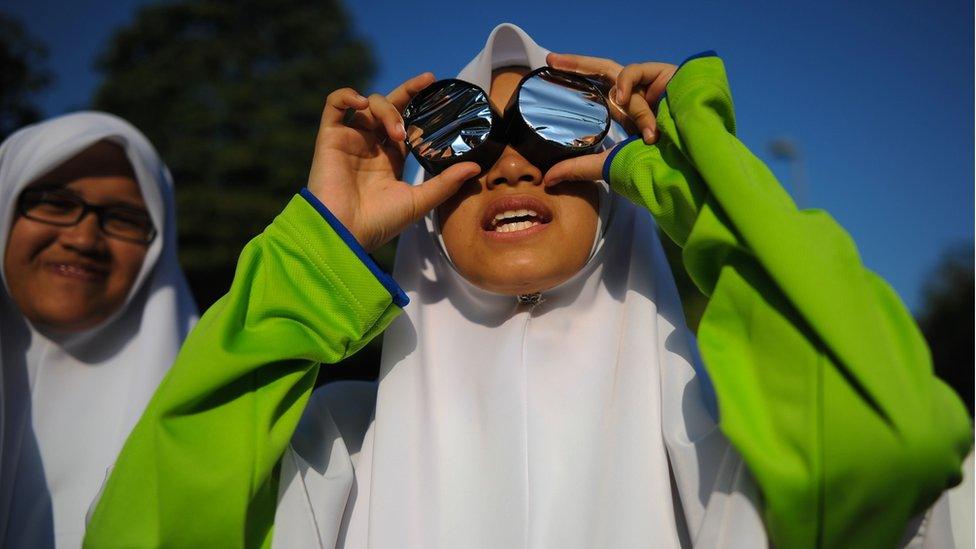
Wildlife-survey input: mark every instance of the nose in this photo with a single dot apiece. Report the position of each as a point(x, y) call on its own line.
point(84, 236)
point(511, 169)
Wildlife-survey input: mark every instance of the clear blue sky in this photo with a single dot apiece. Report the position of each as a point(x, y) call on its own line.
point(878, 95)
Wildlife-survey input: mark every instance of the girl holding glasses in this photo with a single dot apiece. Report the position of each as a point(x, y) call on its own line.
point(92, 312)
point(539, 387)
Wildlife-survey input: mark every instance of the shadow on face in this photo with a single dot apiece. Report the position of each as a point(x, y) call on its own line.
point(505, 232)
point(71, 278)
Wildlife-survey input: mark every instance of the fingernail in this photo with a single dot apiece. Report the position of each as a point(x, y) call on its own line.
point(360, 98)
point(401, 129)
point(620, 97)
point(648, 135)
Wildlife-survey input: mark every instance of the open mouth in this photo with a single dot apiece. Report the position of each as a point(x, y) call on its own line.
point(514, 214)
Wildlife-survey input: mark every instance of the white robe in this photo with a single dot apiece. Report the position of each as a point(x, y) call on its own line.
point(68, 403)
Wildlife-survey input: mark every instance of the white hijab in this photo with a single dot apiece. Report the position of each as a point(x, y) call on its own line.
point(68, 403)
point(577, 422)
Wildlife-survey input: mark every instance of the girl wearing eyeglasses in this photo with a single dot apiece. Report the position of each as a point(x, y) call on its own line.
point(92, 311)
point(538, 386)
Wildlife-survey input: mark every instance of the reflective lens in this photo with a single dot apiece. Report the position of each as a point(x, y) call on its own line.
point(450, 120)
point(564, 110)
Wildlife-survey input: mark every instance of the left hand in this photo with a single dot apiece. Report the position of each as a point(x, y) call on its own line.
point(636, 87)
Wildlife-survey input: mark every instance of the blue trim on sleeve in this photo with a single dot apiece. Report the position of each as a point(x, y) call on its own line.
point(706, 53)
point(396, 292)
point(613, 154)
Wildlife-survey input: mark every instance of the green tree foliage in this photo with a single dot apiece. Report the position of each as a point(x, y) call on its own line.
point(22, 75)
point(947, 320)
point(231, 93)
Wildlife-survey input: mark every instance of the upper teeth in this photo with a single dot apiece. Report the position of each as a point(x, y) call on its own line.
point(514, 213)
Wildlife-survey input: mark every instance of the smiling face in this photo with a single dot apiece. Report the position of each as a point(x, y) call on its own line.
point(68, 279)
point(508, 234)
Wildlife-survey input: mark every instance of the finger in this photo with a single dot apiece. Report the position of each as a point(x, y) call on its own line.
point(638, 75)
point(405, 92)
point(429, 194)
point(388, 116)
point(363, 119)
point(583, 64)
point(581, 168)
point(656, 89)
point(338, 102)
point(619, 113)
point(640, 112)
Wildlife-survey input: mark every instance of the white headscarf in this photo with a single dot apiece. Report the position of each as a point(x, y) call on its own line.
point(68, 403)
point(577, 422)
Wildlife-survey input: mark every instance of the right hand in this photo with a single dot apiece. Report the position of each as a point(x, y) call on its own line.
point(357, 166)
point(635, 88)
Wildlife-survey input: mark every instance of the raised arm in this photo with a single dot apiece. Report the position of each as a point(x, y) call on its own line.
point(823, 380)
point(198, 470)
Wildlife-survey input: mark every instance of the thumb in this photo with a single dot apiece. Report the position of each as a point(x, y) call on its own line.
point(429, 194)
point(588, 167)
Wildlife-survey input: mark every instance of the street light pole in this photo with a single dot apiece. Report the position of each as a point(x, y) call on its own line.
point(783, 148)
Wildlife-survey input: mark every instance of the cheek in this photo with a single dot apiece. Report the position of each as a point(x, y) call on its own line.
point(575, 232)
point(127, 261)
point(31, 288)
point(459, 226)
point(27, 239)
point(458, 217)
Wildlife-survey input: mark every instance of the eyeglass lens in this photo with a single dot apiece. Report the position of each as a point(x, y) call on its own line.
point(65, 209)
point(449, 122)
point(456, 117)
point(569, 112)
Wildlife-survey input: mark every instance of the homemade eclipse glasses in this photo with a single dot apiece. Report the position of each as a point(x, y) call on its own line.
point(552, 115)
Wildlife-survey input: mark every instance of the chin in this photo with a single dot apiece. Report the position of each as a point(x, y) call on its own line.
point(527, 269)
point(518, 278)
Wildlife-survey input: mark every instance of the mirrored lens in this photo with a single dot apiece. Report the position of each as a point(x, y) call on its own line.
point(563, 109)
point(449, 122)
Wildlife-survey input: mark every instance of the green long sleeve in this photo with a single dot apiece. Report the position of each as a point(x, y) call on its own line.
point(824, 382)
point(198, 469)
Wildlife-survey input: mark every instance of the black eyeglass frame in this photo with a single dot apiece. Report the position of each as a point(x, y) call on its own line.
point(510, 127)
point(86, 207)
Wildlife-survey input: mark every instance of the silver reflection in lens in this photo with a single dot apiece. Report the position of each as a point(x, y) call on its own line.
point(448, 123)
point(562, 110)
